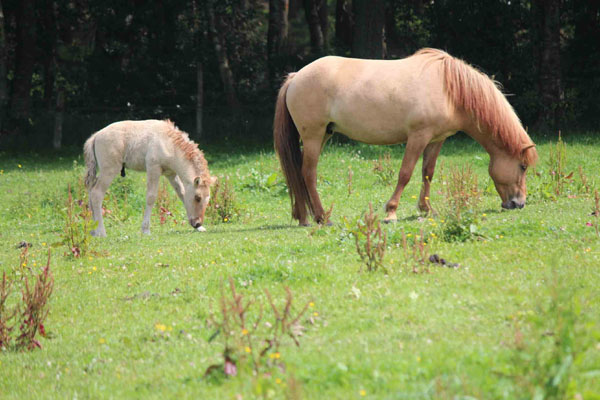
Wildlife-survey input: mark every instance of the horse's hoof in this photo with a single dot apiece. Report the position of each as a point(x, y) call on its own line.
point(305, 224)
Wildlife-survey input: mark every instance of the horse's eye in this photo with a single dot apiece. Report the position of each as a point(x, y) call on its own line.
point(523, 167)
point(198, 199)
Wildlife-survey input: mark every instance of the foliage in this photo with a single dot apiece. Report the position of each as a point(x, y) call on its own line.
point(460, 213)
point(384, 169)
point(415, 253)
point(78, 225)
point(30, 313)
point(223, 205)
point(251, 338)
point(372, 251)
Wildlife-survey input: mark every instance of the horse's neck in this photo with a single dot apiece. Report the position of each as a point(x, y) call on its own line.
point(184, 168)
point(484, 138)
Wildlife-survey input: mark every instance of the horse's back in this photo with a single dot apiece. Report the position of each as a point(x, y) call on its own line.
point(375, 101)
point(128, 142)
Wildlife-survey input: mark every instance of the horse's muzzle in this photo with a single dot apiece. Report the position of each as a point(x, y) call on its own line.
point(195, 223)
point(511, 205)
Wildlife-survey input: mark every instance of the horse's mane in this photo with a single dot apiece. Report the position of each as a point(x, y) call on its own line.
point(480, 96)
point(189, 149)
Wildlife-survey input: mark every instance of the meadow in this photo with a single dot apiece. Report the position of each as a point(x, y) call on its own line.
point(154, 317)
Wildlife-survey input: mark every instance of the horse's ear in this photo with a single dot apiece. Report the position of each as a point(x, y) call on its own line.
point(524, 149)
point(197, 181)
point(212, 180)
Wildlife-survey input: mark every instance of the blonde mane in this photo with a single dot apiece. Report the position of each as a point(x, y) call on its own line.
point(473, 91)
point(189, 149)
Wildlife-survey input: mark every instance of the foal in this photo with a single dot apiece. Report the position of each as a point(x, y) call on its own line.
point(158, 148)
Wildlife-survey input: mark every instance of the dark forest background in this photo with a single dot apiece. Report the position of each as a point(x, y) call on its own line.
point(70, 67)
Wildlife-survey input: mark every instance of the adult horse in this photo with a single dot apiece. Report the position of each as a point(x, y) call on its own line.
point(419, 100)
point(158, 148)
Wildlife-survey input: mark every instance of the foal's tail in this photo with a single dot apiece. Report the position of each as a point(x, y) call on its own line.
point(287, 146)
point(90, 162)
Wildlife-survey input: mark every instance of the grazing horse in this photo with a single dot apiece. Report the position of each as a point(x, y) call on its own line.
point(419, 100)
point(158, 148)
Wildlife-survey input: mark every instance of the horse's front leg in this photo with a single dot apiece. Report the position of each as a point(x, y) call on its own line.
point(414, 149)
point(310, 158)
point(430, 155)
point(151, 194)
point(177, 186)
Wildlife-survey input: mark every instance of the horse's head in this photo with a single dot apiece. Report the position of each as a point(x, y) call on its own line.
point(196, 197)
point(509, 173)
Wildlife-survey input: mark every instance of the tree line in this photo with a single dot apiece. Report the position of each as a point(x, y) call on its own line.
point(69, 67)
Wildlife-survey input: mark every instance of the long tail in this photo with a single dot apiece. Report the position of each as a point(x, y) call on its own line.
point(287, 146)
point(90, 162)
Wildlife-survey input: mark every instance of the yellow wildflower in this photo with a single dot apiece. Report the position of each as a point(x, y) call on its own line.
point(248, 349)
point(101, 341)
point(244, 331)
point(362, 392)
point(19, 165)
point(160, 327)
point(311, 304)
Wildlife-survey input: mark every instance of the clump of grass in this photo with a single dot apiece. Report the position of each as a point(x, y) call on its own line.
point(371, 241)
point(251, 339)
point(460, 213)
point(544, 353)
point(557, 164)
point(585, 184)
point(223, 204)
point(416, 253)
point(78, 224)
point(31, 311)
point(384, 169)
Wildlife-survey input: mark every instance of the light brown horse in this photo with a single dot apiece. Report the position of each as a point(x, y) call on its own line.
point(158, 148)
point(419, 100)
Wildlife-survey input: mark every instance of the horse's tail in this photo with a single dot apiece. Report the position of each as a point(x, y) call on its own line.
point(287, 146)
point(90, 162)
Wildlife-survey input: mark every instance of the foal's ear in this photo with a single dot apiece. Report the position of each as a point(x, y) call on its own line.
point(524, 149)
point(197, 181)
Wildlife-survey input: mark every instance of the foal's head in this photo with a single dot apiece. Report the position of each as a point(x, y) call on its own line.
point(196, 197)
point(509, 173)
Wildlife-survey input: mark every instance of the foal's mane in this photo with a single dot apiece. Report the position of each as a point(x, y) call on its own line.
point(480, 96)
point(189, 149)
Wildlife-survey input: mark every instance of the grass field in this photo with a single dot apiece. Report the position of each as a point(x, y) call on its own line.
point(131, 318)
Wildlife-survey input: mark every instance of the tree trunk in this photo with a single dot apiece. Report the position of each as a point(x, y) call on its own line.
point(3, 65)
point(294, 9)
point(25, 58)
point(199, 97)
point(222, 59)
point(369, 20)
point(343, 24)
point(314, 18)
point(549, 84)
point(59, 113)
point(276, 37)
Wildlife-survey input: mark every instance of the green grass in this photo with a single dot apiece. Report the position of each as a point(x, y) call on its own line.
point(520, 318)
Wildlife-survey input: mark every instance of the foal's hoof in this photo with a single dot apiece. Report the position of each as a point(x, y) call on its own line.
point(305, 224)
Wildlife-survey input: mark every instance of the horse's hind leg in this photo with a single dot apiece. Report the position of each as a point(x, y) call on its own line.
point(153, 178)
point(97, 192)
point(310, 158)
point(414, 148)
point(430, 155)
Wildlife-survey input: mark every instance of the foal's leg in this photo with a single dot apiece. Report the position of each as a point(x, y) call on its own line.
point(430, 155)
point(177, 185)
point(414, 149)
point(310, 158)
point(97, 193)
point(153, 178)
